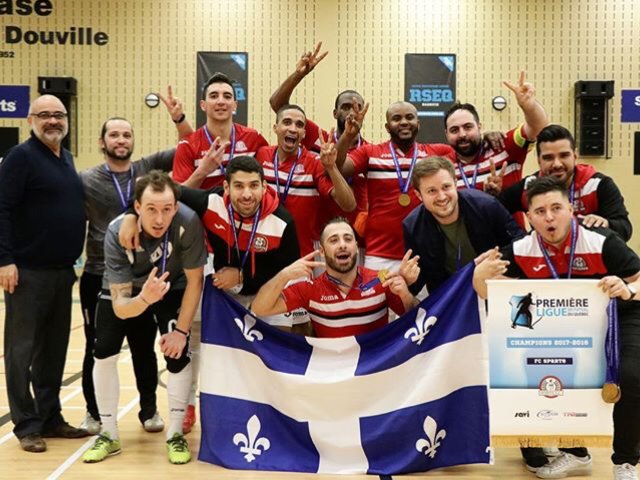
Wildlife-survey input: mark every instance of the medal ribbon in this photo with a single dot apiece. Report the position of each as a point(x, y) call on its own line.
point(124, 201)
point(232, 147)
point(287, 186)
point(165, 245)
point(254, 229)
point(547, 259)
point(465, 180)
point(360, 286)
point(404, 186)
point(335, 139)
point(612, 344)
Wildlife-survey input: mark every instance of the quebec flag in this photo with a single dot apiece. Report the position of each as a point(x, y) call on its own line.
point(409, 397)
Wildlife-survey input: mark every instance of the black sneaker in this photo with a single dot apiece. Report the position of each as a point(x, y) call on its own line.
point(534, 458)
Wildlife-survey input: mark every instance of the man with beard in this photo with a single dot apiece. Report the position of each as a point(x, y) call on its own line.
point(315, 136)
point(595, 197)
point(195, 164)
point(108, 190)
point(388, 168)
point(42, 226)
point(299, 178)
point(476, 166)
point(346, 299)
point(560, 248)
point(451, 227)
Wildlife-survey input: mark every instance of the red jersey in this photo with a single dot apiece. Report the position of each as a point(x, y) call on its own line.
point(516, 147)
point(358, 183)
point(309, 191)
point(192, 148)
point(383, 234)
point(336, 314)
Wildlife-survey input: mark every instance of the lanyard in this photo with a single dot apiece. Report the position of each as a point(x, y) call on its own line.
point(404, 185)
point(463, 176)
point(124, 201)
point(572, 191)
point(232, 148)
point(360, 286)
point(612, 346)
point(287, 186)
point(165, 245)
point(254, 229)
point(335, 139)
point(572, 251)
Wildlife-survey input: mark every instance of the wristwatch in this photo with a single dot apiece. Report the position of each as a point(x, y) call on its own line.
point(632, 290)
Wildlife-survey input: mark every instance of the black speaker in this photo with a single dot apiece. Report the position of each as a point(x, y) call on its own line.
point(636, 153)
point(66, 89)
point(592, 116)
point(9, 137)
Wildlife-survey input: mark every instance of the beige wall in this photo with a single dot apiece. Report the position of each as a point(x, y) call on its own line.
point(154, 43)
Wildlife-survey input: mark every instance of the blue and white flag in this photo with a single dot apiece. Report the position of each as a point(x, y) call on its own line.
point(409, 397)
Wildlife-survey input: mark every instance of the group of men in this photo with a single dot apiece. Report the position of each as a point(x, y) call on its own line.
point(321, 233)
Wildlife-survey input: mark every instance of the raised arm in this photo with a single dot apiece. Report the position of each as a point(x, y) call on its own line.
point(341, 192)
point(535, 118)
point(305, 65)
point(176, 111)
point(352, 126)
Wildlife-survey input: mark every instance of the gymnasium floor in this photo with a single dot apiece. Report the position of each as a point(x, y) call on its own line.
point(144, 454)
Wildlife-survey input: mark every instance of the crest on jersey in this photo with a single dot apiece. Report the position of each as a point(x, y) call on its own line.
point(260, 244)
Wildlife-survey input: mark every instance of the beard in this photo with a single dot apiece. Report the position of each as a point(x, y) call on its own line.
point(333, 264)
point(111, 153)
point(469, 150)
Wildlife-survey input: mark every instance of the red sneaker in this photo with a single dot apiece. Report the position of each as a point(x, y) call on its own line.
point(189, 419)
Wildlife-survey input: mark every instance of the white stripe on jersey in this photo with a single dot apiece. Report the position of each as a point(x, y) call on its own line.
point(270, 225)
point(284, 176)
point(482, 177)
point(590, 187)
point(388, 162)
point(350, 321)
point(589, 242)
point(349, 304)
point(385, 175)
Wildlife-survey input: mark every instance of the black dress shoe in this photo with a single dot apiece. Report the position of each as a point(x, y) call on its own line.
point(33, 443)
point(64, 430)
point(534, 458)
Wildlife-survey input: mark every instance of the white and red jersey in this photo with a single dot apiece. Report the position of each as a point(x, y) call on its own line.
point(191, 149)
point(309, 191)
point(598, 253)
point(383, 235)
point(336, 314)
point(516, 148)
point(358, 183)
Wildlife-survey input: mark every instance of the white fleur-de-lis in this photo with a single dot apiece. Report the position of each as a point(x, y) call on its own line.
point(433, 440)
point(422, 328)
point(246, 327)
point(251, 443)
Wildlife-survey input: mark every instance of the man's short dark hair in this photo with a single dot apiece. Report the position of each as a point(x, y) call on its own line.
point(546, 184)
point(103, 131)
point(430, 166)
point(333, 221)
point(217, 77)
point(554, 133)
point(353, 93)
point(461, 106)
point(243, 163)
point(157, 181)
point(289, 106)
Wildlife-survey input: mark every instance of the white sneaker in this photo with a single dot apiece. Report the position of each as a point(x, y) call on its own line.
point(565, 465)
point(626, 471)
point(91, 425)
point(551, 452)
point(154, 424)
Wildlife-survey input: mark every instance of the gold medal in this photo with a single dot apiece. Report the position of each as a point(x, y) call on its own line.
point(610, 393)
point(382, 275)
point(404, 200)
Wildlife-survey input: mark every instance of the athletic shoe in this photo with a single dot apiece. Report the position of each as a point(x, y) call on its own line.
point(91, 425)
point(178, 449)
point(102, 448)
point(551, 452)
point(33, 443)
point(534, 458)
point(566, 465)
point(626, 471)
point(154, 424)
point(189, 419)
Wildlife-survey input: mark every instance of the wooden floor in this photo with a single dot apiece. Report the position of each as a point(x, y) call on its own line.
point(144, 453)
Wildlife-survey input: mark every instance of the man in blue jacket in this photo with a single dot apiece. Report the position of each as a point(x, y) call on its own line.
point(451, 227)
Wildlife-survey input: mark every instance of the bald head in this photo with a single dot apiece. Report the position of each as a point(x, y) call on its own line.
point(46, 127)
point(402, 124)
point(400, 106)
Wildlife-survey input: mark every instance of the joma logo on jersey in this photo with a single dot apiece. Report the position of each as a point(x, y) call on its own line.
point(328, 298)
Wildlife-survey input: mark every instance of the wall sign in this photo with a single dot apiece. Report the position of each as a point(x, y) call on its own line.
point(14, 101)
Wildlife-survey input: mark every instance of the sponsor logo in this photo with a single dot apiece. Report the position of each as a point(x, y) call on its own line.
point(217, 226)
point(537, 268)
point(260, 244)
point(241, 146)
point(575, 414)
point(522, 414)
point(328, 298)
point(550, 387)
point(368, 292)
point(546, 414)
point(299, 169)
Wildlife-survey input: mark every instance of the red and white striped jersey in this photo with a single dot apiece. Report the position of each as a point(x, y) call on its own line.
point(336, 314)
point(191, 149)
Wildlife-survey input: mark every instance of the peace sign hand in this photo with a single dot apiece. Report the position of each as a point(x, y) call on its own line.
point(328, 150)
point(409, 267)
point(524, 91)
point(493, 185)
point(309, 60)
point(213, 158)
point(353, 121)
point(303, 267)
point(155, 288)
point(173, 104)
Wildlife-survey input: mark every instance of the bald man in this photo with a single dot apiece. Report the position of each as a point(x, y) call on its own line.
point(42, 226)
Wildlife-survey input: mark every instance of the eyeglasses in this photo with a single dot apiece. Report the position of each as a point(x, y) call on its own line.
point(48, 115)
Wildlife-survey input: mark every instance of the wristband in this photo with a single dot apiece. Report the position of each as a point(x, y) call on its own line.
point(176, 329)
point(180, 120)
